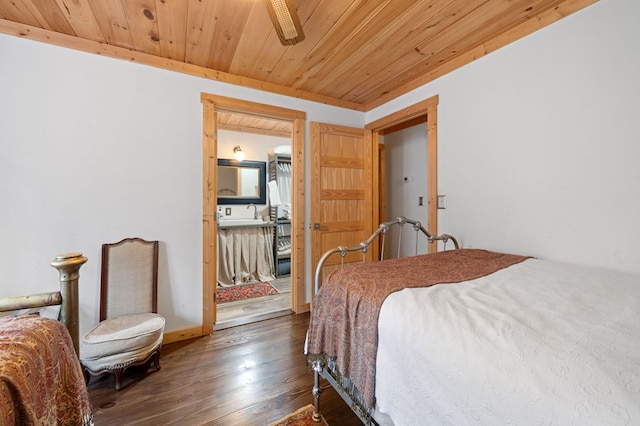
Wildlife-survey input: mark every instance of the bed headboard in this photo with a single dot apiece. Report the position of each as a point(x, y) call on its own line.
point(68, 265)
point(381, 232)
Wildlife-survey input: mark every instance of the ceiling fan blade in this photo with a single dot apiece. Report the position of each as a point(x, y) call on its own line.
point(285, 20)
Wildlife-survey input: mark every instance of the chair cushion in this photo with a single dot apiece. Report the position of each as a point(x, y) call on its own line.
point(127, 333)
point(121, 360)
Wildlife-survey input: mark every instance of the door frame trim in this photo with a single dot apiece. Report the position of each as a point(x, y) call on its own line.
point(406, 117)
point(212, 104)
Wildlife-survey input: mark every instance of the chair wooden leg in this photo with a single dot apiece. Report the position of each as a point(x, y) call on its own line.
point(118, 374)
point(156, 359)
point(87, 375)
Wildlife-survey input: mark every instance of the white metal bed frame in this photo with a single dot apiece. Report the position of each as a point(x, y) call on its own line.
point(318, 370)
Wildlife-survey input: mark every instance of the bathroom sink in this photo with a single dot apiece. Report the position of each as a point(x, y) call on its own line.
point(240, 222)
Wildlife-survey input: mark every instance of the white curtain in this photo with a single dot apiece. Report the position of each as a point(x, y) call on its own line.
point(245, 255)
point(284, 186)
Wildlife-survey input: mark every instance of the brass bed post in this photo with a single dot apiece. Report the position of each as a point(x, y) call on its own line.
point(67, 297)
point(68, 265)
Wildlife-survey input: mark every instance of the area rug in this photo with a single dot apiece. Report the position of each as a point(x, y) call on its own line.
point(301, 417)
point(244, 291)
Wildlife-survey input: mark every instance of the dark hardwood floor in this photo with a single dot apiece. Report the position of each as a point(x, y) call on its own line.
point(246, 375)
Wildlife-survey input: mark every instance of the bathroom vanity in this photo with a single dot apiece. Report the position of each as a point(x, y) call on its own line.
point(245, 251)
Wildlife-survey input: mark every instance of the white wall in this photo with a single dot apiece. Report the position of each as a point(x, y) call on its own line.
point(96, 149)
point(406, 180)
point(539, 145)
point(538, 154)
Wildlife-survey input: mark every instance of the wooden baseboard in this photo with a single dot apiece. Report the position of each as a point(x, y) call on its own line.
point(190, 333)
point(251, 319)
point(176, 336)
point(303, 308)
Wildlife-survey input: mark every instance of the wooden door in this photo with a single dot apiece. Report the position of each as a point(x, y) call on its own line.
point(341, 191)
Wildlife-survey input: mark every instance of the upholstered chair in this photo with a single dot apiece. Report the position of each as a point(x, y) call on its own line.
point(130, 330)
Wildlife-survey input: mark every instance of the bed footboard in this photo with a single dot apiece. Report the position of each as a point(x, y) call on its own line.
point(68, 265)
point(321, 371)
point(381, 232)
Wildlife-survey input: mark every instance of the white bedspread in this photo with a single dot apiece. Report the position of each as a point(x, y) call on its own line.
point(536, 343)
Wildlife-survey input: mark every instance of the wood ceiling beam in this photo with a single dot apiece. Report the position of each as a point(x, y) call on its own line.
point(64, 40)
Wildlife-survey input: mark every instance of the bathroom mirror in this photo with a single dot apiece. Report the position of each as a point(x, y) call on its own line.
point(242, 182)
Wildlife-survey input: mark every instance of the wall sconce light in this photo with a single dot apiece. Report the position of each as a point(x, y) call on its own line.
point(238, 154)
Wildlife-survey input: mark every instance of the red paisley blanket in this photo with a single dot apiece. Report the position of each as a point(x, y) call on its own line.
point(344, 313)
point(41, 381)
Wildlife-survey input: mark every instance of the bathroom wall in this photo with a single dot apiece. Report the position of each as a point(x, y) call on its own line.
point(256, 148)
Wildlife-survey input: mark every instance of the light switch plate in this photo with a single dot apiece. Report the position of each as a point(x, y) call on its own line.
point(442, 201)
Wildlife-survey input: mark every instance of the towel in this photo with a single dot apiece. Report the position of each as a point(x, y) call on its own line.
point(274, 194)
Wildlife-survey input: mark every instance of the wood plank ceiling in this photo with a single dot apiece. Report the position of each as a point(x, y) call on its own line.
point(357, 53)
point(247, 123)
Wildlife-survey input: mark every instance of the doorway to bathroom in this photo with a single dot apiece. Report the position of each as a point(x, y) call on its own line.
point(222, 115)
point(254, 225)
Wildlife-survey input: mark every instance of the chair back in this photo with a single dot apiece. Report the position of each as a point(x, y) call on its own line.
point(129, 279)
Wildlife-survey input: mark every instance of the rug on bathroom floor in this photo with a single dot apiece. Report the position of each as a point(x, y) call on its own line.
point(245, 291)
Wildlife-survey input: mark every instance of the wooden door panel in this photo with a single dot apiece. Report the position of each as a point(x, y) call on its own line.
point(341, 189)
